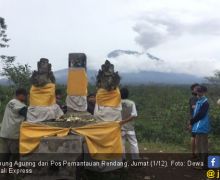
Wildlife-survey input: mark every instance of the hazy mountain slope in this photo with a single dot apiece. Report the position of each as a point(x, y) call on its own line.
point(143, 77)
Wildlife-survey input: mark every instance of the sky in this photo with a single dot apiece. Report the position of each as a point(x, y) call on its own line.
point(184, 33)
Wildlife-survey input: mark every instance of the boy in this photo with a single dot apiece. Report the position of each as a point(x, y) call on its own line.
point(59, 102)
point(91, 103)
point(129, 113)
point(15, 113)
point(192, 104)
point(201, 124)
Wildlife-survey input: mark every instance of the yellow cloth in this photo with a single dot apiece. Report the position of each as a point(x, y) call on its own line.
point(31, 133)
point(103, 140)
point(108, 98)
point(77, 82)
point(43, 96)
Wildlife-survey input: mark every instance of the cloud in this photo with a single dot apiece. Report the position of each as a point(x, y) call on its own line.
point(185, 34)
point(132, 63)
point(185, 39)
point(155, 28)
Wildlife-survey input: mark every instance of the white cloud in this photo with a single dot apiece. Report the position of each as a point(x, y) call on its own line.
point(132, 63)
point(184, 33)
point(155, 28)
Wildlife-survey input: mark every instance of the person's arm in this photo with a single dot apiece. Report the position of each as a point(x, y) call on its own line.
point(124, 121)
point(131, 117)
point(23, 112)
point(201, 114)
point(192, 104)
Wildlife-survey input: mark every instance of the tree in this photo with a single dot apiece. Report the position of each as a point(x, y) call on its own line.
point(16, 73)
point(215, 80)
point(3, 36)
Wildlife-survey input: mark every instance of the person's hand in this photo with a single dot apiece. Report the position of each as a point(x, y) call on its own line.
point(61, 117)
point(122, 122)
point(190, 127)
point(218, 102)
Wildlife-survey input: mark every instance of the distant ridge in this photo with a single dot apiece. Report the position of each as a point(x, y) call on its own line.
point(143, 77)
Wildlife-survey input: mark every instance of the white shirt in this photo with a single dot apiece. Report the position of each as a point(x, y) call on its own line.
point(12, 120)
point(128, 109)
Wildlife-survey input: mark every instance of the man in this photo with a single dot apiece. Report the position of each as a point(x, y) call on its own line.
point(15, 114)
point(192, 103)
point(129, 113)
point(91, 101)
point(59, 102)
point(200, 123)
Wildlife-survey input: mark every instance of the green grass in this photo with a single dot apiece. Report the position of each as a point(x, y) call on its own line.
point(163, 116)
point(160, 147)
point(152, 147)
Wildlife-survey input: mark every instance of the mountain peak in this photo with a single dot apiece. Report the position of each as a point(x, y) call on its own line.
point(118, 52)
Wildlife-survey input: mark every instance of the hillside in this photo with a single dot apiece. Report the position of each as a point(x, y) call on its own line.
point(143, 77)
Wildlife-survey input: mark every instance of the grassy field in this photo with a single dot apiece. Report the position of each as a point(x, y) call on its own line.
point(163, 113)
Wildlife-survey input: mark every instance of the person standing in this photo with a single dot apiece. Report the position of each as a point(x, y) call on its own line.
point(91, 101)
point(192, 103)
point(59, 97)
point(14, 115)
point(200, 124)
point(129, 113)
